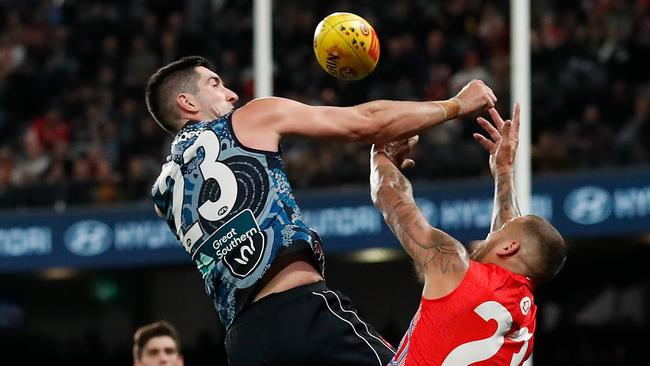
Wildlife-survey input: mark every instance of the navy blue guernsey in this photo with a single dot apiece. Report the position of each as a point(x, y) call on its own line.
point(232, 209)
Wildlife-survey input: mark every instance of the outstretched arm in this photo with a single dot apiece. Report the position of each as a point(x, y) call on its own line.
point(439, 257)
point(262, 122)
point(502, 147)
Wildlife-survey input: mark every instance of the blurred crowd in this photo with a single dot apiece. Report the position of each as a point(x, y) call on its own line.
point(74, 127)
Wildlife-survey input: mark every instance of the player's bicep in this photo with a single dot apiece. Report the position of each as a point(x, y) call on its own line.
point(336, 123)
point(415, 233)
point(439, 257)
point(288, 117)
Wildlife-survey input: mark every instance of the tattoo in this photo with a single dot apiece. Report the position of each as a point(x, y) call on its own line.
point(430, 248)
point(447, 258)
point(505, 201)
point(434, 252)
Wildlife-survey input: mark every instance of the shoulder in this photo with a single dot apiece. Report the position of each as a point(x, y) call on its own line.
point(509, 278)
point(512, 290)
point(265, 107)
point(490, 275)
point(259, 123)
point(507, 287)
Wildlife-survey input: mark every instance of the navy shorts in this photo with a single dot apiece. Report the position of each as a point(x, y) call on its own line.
point(306, 325)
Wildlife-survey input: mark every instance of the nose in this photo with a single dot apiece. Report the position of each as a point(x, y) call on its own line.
point(165, 360)
point(232, 96)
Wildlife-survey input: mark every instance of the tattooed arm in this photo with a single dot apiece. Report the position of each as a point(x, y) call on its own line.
point(442, 260)
point(505, 207)
point(502, 147)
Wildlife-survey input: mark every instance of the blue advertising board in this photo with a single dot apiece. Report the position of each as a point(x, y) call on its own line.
point(579, 206)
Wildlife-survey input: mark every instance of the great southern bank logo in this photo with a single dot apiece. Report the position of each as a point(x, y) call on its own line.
point(588, 205)
point(88, 238)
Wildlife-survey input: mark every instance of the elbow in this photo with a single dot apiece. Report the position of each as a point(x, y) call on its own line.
point(370, 123)
point(364, 130)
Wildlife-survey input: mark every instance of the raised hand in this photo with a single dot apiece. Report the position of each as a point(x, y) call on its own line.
point(398, 151)
point(502, 146)
point(474, 96)
point(503, 141)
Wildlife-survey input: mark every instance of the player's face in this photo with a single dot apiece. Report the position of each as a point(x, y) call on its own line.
point(214, 98)
point(160, 351)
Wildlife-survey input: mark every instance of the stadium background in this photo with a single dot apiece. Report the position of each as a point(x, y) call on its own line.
point(74, 134)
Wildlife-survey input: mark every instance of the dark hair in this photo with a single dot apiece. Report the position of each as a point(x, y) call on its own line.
point(178, 77)
point(551, 247)
point(156, 329)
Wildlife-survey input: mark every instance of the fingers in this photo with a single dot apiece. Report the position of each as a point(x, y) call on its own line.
point(515, 119)
point(488, 94)
point(487, 144)
point(487, 126)
point(496, 117)
point(377, 147)
point(397, 151)
point(475, 96)
point(412, 141)
point(492, 98)
point(408, 163)
point(505, 131)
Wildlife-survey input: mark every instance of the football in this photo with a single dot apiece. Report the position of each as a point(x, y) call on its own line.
point(346, 46)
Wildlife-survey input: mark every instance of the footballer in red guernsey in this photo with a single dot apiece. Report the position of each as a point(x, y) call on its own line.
point(489, 319)
point(477, 306)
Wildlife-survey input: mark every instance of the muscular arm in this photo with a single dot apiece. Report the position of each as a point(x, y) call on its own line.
point(262, 122)
point(439, 257)
point(375, 121)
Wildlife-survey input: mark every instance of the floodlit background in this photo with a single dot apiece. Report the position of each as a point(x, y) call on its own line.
point(78, 154)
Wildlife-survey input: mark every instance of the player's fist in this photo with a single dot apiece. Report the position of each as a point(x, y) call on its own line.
point(475, 96)
point(398, 152)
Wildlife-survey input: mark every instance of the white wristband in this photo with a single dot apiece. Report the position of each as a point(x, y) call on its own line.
point(461, 110)
point(444, 112)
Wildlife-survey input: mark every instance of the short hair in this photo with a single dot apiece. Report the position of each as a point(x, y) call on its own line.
point(156, 329)
point(551, 247)
point(178, 77)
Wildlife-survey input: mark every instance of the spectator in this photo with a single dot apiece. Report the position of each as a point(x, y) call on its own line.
point(157, 344)
point(84, 62)
point(33, 165)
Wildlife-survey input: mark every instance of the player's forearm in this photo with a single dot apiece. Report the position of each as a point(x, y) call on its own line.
point(387, 184)
point(505, 206)
point(393, 120)
point(392, 194)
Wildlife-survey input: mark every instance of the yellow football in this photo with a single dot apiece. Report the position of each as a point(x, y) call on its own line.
point(346, 46)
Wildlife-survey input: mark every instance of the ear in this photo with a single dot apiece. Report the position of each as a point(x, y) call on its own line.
point(187, 103)
point(508, 249)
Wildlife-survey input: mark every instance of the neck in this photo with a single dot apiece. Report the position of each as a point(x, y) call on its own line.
point(512, 264)
point(198, 116)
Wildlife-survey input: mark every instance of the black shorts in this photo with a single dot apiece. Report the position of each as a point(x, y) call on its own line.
point(306, 325)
